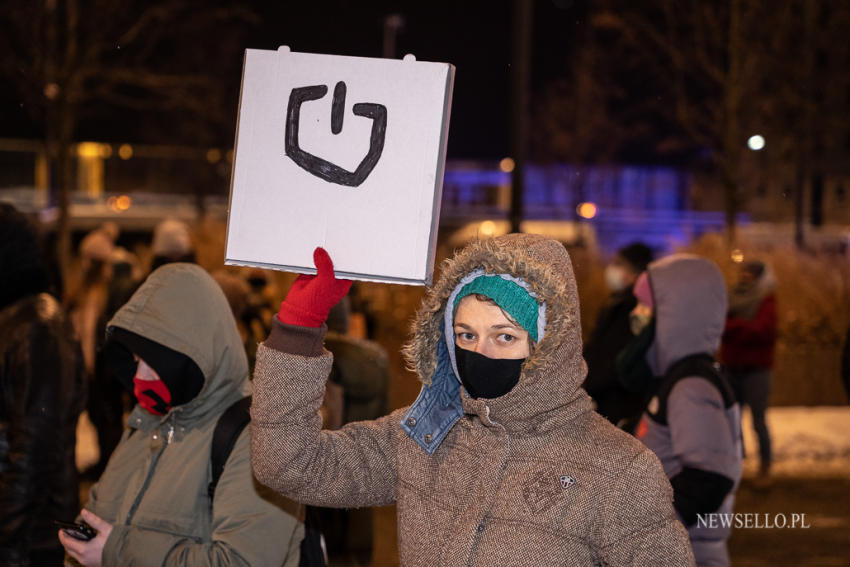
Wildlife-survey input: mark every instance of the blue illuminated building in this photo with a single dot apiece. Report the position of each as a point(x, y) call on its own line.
point(647, 203)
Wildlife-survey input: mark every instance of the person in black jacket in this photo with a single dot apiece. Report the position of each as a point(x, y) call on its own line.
point(611, 335)
point(41, 397)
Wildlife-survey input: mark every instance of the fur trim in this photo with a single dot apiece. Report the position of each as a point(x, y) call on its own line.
point(542, 262)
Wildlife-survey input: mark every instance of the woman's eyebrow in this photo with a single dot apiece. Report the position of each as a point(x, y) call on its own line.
point(462, 325)
point(504, 326)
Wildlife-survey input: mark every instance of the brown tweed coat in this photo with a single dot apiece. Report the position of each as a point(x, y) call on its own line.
point(532, 478)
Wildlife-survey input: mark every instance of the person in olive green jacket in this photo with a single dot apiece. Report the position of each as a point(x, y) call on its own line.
point(177, 342)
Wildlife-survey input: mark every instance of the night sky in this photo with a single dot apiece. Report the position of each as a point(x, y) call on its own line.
point(475, 36)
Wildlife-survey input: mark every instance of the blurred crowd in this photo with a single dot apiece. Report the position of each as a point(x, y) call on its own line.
point(62, 358)
point(165, 351)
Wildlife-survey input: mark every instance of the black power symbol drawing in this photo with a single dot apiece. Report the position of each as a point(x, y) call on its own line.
point(322, 168)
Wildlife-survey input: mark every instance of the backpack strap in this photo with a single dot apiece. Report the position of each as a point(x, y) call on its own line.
point(227, 431)
point(696, 365)
point(314, 552)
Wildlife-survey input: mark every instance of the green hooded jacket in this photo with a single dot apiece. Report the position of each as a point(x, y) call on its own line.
point(154, 489)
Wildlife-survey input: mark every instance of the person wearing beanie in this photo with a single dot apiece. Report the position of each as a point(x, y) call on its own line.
point(174, 344)
point(692, 421)
point(42, 394)
point(611, 334)
point(747, 350)
point(501, 459)
point(171, 243)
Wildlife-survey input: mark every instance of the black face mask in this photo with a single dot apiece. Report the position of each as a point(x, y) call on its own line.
point(487, 377)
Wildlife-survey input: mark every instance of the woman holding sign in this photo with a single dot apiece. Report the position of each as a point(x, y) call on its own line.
point(501, 459)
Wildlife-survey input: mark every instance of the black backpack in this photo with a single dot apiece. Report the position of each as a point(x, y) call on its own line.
point(696, 365)
point(227, 431)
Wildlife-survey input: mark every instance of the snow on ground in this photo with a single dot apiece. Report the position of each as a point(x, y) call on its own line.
point(807, 441)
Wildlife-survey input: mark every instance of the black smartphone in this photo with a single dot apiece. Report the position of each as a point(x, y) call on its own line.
point(81, 531)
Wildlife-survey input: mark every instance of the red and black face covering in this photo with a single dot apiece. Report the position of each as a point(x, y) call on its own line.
point(179, 381)
point(153, 395)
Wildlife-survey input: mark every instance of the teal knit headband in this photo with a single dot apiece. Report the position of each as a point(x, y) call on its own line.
point(511, 297)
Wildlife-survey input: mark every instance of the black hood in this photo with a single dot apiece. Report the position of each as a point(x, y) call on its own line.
point(179, 372)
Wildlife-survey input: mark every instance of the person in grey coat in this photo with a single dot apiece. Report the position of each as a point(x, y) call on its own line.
point(693, 422)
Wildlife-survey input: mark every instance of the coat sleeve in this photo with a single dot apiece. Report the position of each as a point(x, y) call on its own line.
point(705, 444)
point(33, 372)
point(639, 526)
point(352, 467)
point(250, 526)
point(27, 438)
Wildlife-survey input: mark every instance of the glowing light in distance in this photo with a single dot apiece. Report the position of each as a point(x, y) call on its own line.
point(125, 151)
point(755, 142)
point(587, 210)
point(123, 202)
point(737, 256)
point(507, 165)
point(93, 150)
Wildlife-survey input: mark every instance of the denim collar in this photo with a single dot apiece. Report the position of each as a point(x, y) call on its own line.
point(438, 406)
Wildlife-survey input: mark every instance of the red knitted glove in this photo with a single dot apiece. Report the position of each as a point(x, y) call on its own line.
point(311, 297)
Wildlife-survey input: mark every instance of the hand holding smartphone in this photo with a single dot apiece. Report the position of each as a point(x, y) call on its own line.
point(81, 531)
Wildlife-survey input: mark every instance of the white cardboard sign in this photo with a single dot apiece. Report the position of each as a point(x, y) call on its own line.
point(346, 153)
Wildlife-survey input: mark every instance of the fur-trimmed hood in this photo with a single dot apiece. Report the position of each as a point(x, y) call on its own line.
point(550, 384)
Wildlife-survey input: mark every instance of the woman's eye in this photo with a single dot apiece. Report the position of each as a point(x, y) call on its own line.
point(465, 337)
point(506, 338)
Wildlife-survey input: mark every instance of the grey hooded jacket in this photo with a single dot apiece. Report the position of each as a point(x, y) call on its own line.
point(690, 311)
point(534, 477)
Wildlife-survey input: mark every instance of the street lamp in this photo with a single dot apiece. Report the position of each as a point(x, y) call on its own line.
point(587, 210)
point(755, 142)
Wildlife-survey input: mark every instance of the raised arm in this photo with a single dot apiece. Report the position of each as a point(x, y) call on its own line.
point(351, 467)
